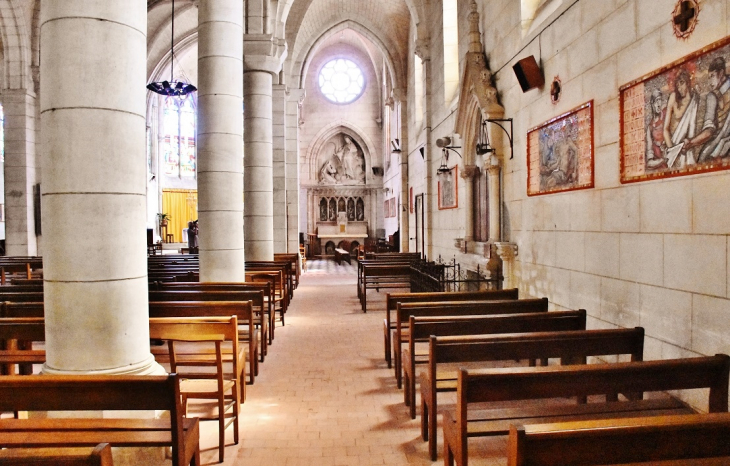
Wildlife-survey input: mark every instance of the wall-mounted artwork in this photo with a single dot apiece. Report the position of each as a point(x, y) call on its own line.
point(393, 207)
point(448, 190)
point(410, 199)
point(560, 153)
point(676, 120)
point(341, 161)
point(386, 208)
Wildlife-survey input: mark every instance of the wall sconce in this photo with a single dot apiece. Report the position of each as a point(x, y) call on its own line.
point(484, 149)
point(445, 145)
point(386, 191)
point(395, 144)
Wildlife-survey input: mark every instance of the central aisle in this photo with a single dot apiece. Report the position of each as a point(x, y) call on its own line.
point(324, 396)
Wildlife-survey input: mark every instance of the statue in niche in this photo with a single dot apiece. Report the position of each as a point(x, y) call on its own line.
point(360, 210)
point(333, 210)
point(351, 210)
point(323, 210)
point(345, 164)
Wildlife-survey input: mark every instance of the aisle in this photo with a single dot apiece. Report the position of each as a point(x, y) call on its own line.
point(324, 396)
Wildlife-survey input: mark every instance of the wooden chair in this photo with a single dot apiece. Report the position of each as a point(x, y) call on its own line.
point(99, 456)
point(197, 381)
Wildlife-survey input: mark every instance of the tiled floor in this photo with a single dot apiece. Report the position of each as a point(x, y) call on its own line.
point(324, 396)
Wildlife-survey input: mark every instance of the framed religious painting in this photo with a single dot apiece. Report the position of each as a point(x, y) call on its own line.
point(448, 189)
point(675, 121)
point(560, 153)
point(410, 199)
point(393, 207)
point(386, 208)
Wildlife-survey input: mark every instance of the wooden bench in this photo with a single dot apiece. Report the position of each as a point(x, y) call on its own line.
point(340, 255)
point(98, 393)
point(263, 308)
point(241, 309)
point(532, 383)
point(293, 259)
point(255, 296)
point(17, 354)
point(277, 297)
point(614, 441)
point(393, 275)
point(101, 455)
point(392, 300)
point(455, 308)
point(569, 346)
point(283, 265)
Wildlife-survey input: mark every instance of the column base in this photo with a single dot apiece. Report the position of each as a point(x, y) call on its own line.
point(147, 367)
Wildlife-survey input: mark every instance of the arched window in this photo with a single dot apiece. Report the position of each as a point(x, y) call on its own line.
point(341, 81)
point(451, 49)
point(178, 143)
point(418, 88)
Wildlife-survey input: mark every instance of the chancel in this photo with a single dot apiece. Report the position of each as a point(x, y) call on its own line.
point(337, 199)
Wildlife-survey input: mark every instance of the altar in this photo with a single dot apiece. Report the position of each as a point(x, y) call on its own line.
point(332, 235)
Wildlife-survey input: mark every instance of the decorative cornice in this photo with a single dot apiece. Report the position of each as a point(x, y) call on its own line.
point(507, 251)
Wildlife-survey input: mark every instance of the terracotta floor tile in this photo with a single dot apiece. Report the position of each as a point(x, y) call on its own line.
point(325, 396)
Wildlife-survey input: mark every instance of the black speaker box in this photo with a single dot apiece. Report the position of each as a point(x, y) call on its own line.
point(528, 73)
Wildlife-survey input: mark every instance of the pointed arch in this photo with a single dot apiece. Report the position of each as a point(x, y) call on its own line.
point(301, 65)
point(16, 47)
point(331, 130)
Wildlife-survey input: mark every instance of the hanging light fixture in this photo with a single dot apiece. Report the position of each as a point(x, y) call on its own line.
point(445, 145)
point(172, 88)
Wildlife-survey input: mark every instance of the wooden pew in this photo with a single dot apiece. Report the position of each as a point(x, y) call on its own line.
point(101, 455)
point(293, 259)
point(17, 355)
point(256, 298)
point(277, 298)
point(241, 309)
point(98, 393)
point(392, 300)
point(614, 441)
point(393, 275)
point(283, 266)
point(405, 259)
point(569, 346)
point(455, 308)
point(531, 383)
point(262, 309)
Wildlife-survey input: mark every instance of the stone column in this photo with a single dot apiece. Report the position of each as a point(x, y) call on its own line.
point(93, 126)
point(430, 191)
point(279, 168)
point(294, 99)
point(507, 252)
point(220, 140)
point(495, 223)
point(468, 174)
point(399, 110)
point(19, 106)
point(258, 207)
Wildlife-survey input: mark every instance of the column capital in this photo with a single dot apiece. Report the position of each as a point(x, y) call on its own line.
point(507, 251)
point(469, 172)
point(263, 52)
point(422, 49)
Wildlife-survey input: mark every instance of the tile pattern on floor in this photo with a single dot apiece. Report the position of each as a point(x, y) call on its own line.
point(325, 396)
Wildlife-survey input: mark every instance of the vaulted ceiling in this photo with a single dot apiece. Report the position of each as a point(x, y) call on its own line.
point(305, 24)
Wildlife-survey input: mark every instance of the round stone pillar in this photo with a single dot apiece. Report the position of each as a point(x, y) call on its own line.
point(468, 174)
point(94, 187)
point(220, 140)
point(258, 208)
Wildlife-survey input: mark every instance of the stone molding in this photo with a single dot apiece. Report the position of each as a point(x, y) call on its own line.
point(507, 251)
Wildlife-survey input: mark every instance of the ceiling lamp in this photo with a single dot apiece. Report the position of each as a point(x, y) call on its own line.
point(172, 88)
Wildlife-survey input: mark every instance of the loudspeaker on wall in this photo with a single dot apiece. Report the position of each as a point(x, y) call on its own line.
point(528, 73)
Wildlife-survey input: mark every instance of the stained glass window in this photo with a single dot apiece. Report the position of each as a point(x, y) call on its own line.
point(341, 81)
point(178, 144)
